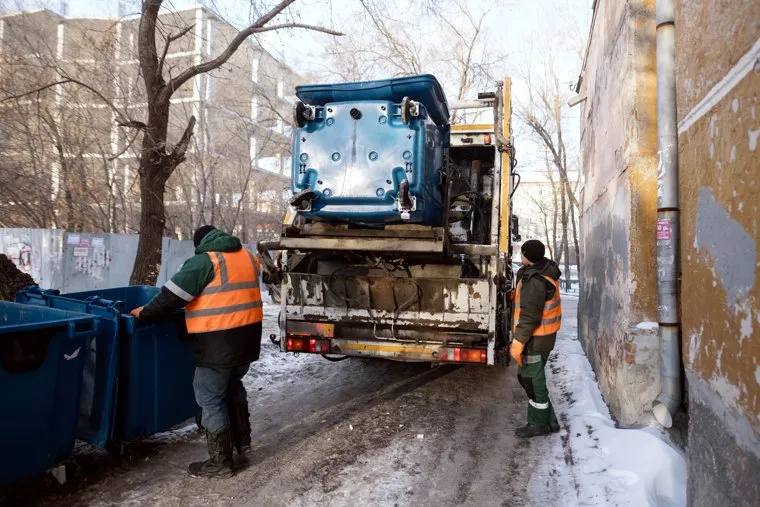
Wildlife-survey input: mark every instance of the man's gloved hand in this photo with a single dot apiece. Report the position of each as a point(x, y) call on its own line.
point(516, 350)
point(136, 312)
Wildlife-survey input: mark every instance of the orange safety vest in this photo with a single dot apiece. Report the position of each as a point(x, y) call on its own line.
point(552, 314)
point(232, 298)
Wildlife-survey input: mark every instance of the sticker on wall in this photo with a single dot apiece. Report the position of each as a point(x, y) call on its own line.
point(664, 229)
point(72, 239)
point(81, 251)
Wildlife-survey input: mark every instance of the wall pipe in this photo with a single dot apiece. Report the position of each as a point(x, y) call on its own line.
point(668, 265)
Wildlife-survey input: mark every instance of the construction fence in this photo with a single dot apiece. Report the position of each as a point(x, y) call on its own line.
point(72, 261)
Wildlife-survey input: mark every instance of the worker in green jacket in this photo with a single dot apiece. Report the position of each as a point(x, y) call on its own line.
point(536, 320)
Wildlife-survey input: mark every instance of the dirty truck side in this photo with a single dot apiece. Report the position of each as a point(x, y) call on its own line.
point(397, 243)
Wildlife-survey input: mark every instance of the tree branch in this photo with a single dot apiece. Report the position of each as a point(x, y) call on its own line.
point(178, 152)
point(257, 27)
point(314, 28)
point(120, 117)
point(126, 147)
point(171, 38)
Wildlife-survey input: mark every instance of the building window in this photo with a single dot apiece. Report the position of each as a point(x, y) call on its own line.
point(255, 69)
point(253, 151)
point(254, 108)
point(280, 126)
point(280, 89)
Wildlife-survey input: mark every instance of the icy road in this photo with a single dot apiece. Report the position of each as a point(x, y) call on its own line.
point(373, 432)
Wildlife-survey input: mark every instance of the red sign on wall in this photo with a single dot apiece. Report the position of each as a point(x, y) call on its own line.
point(664, 229)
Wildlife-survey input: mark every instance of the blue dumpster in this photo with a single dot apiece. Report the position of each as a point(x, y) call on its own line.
point(41, 359)
point(138, 376)
point(359, 158)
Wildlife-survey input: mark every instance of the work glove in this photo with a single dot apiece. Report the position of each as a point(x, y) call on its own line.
point(516, 350)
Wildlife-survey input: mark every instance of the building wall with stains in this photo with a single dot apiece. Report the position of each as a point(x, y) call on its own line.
point(618, 306)
point(718, 87)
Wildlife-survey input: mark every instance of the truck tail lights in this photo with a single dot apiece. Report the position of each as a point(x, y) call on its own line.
point(307, 344)
point(462, 355)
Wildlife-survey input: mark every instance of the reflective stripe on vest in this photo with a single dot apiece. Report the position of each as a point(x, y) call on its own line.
point(232, 298)
point(551, 318)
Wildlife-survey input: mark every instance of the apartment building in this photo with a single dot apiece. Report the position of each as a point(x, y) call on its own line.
point(65, 161)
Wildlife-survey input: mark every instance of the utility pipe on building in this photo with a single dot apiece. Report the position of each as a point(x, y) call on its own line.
point(668, 265)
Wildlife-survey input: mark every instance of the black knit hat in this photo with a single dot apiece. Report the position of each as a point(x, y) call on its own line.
point(533, 250)
point(201, 232)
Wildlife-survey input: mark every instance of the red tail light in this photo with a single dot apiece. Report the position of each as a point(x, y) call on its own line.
point(463, 355)
point(307, 344)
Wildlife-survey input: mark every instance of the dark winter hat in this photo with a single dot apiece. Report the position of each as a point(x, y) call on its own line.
point(533, 250)
point(201, 232)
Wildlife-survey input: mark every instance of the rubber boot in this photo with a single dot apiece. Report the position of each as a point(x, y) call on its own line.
point(529, 431)
point(219, 464)
point(240, 424)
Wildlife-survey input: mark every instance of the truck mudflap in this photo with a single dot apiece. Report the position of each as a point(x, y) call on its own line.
point(397, 351)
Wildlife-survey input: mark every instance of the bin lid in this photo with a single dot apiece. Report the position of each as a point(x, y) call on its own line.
point(424, 88)
point(15, 317)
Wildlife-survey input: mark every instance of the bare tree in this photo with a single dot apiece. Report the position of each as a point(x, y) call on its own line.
point(542, 114)
point(158, 160)
point(56, 169)
point(448, 38)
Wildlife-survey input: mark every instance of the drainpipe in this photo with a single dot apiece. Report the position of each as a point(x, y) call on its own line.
point(668, 270)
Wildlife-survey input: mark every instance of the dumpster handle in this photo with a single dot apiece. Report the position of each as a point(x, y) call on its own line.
point(84, 328)
point(108, 303)
point(34, 292)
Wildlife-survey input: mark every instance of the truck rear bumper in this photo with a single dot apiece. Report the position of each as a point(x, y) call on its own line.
point(397, 351)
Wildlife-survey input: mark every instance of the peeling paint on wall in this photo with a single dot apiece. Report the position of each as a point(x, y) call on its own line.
point(732, 249)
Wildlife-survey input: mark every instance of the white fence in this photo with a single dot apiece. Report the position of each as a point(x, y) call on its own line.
point(71, 261)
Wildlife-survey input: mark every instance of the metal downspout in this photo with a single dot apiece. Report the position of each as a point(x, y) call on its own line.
point(668, 265)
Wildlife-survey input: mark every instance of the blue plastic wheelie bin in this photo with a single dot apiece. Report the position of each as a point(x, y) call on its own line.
point(41, 359)
point(138, 375)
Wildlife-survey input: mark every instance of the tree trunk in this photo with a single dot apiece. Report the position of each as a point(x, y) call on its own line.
point(565, 246)
point(154, 173)
point(546, 235)
point(575, 235)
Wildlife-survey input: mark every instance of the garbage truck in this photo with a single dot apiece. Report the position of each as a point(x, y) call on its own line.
point(397, 240)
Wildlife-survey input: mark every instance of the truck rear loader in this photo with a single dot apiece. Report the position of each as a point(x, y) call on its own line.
point(397, 243)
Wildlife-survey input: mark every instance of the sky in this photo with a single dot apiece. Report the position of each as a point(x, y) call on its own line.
point(527, 31)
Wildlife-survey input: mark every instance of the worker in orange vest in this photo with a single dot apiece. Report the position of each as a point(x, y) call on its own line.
point(536, 320)
point(219, 289)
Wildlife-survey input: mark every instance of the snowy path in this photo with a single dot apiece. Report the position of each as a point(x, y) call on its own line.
point(373, 432)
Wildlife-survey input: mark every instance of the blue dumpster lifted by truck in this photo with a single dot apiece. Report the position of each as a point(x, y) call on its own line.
point(397, 243)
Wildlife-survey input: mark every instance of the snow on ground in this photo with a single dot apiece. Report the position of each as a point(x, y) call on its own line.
point(610, 466)
point(347, 434)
